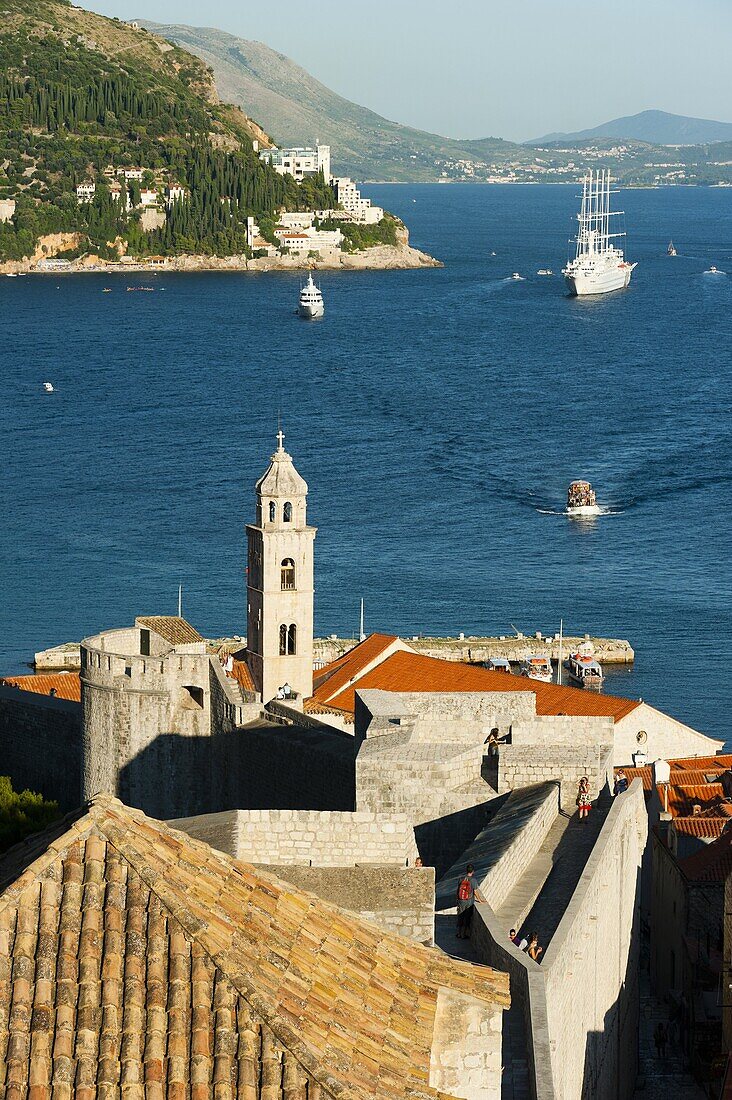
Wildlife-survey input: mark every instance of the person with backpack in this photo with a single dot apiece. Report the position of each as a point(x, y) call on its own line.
point(467, 894)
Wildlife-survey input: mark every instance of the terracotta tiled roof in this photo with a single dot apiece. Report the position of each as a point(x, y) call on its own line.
point(712, 864)
point(312, 706)
point(681, 800)
point(242, 674)
point(67, 685)
point(701, 827)
point(687, 769)
point(406, 671)
point(136, 961)
point(174, 630)
point(333, 677)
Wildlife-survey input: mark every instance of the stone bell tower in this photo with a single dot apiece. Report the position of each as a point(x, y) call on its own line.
point(280, 582)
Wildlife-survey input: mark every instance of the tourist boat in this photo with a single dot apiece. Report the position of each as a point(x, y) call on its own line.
point(517, 276)
point(537, 667)
point(581, 500)
point(599, 266)
point(545, 271)
point(671, 250)
point(498, 664)
point(48, 387)
point(584, 671)
point(311, 300)
point(11, 274)
point(714, 271)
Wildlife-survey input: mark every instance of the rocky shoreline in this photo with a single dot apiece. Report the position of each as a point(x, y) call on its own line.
point(400, 257)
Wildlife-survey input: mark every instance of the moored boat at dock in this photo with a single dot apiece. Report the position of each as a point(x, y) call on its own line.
point(497, 664)
point(584, 671)
point(537, 667)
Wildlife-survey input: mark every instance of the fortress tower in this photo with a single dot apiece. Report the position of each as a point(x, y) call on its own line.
point(280, 582)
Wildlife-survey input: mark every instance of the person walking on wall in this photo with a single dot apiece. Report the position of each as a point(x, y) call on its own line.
point(621, 783)
point(583, 798)
point(467, 895)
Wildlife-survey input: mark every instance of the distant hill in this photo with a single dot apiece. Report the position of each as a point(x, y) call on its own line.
point(654, 127)
point(296, 109)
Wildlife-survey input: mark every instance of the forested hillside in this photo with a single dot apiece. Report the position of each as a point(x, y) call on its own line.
point(84, 98)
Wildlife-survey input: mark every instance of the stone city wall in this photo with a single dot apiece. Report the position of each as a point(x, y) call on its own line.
point(323, 838)
point(40, 745)
point(439, 717)
point(476, 649)
point(502, 851)
point(465, 1059)
point(554, 730)
point(399, 899)
point(525, 765)
point(581, 1005)
point(395, 775)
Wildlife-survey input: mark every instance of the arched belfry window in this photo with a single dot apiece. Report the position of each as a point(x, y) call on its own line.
point(272, 511)
point(287, 574)
point(288, 640)
point(287, 512)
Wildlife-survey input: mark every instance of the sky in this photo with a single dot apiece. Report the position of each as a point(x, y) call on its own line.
point(479, 68)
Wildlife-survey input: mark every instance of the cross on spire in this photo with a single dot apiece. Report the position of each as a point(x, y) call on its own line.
point(280, 440)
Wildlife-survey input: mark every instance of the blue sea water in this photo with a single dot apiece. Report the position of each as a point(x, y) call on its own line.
point(437, 415)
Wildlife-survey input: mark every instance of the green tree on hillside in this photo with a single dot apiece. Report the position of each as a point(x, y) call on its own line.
point(22, 814)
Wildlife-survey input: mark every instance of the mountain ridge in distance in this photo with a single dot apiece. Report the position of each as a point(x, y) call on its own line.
point(297, 109)
point(653, 126)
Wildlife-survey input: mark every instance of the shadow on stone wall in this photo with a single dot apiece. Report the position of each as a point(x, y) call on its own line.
point(441, 841)
point(258, 767)
point(40, 745)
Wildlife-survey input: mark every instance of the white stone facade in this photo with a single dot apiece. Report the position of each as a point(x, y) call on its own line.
point(299, 162)
point(349, 197)
point(7, 209)
point(280, 583)
point(303, 241)
point(85, 191)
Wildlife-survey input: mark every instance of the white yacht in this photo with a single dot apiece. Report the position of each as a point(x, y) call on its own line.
point(516, 275)
point(584, 671)
point(537, 667)
point(581, 500)
point(48, 387)
point(599, 265)
point(671, 250)
point(311, 300)
point(714, 271)
point(545, 271)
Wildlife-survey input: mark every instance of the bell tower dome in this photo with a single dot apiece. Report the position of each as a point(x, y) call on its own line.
point(280, 582)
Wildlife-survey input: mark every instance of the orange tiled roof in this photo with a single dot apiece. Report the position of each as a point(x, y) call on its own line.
point(333, 677)
point(407, 671)
point(312, 706)
point(712, 864)
point(686, 769)
point(681, 800)
point(133, 953)
point(175, 630)
point(243, 676)
point(701, 827)
point(67, 685)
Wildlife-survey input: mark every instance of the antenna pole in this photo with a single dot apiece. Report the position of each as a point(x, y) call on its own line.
point(180, 601)
point(361, 635)
point(559, 663)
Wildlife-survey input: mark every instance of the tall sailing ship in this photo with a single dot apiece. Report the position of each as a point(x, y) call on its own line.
point(599, 265)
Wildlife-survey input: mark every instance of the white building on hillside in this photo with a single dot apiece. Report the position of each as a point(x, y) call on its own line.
point(85, 191)
point(349, 197)
point(299, 162)
point(174, 192)
point(148, 197)
point(302, 241)
point(7, 209)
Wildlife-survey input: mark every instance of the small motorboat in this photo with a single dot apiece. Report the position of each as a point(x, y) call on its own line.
point(581, 500)
point(584, 671)
point(714, 271)
point(107, 290)
point(48, 387)
point(11, 274)
point(498, 664)
point(545, 271)
point(537, 667)
point(671, 250)
point(516, 275)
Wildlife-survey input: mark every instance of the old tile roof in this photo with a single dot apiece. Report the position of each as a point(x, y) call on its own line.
point(242, 674)
point(175, 630)
point(333, 677)
point(138, 962)
point(701, 827)
point(67, 685)
point(687, 769)
point(406, 671)
point(312, 706)
point(712, 864)
point(681, 800)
